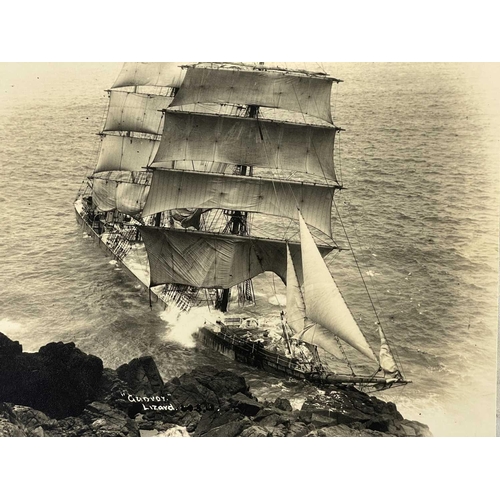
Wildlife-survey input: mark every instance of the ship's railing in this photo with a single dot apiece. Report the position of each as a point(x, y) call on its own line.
point(119, 245)
point(182, 296)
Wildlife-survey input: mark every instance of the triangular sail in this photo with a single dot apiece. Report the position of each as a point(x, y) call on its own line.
point(295, 309)
point(324, 303)
point(320, 336)
point(302, 327)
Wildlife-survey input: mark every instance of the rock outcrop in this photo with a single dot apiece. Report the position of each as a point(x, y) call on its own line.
point(61, 391)
point(59, 379)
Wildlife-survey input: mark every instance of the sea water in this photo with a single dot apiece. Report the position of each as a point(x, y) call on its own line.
point(419, 157)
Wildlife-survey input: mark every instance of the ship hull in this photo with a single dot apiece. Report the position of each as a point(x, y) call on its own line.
point(249, 353)
point(97, 238)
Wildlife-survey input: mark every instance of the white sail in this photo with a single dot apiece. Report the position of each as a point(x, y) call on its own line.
point(295, 308)
point(324, 303)
point(126, 153)
point(178, 189)
point(211, 260)
point(104, 194)
point(247, 141)
point(320, 336)
point(305, 94)
point(296, 317)
point(387, 362)
point(132, 112)
point(154, 74)
point(130, 197)
point(119, 193)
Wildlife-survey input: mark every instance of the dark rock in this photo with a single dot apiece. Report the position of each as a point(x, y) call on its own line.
point(108, 421)
point(275, 416)
point(378, 424)
point(142, 376)
point(188, 391)
point(255, 431)
point(231, 429)
point(246, 405)
point(278, 431)
point(9, 347)
point(319, 420)
point(337, 431)
point(411, 428)
point(298, 429)
point(210, 420)
point(283, 404)
point(271, 420)
point(113, 390)
point(31, 418)
point(10, 425)
point(190, 420)
point(305, 416)
point(222, 383)
point(58, 380)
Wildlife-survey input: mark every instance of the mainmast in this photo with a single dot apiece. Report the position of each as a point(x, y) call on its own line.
point(238, 224)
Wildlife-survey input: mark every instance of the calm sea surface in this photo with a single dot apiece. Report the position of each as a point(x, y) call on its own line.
point(420, 158)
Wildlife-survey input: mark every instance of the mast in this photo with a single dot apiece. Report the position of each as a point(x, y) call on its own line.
point(130, 135)
point(238, 224)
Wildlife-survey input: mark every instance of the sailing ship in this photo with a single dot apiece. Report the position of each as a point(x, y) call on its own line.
point(208, 176)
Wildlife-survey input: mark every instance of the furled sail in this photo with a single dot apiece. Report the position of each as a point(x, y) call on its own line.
point(247, 141)
point(119, 194)
point(210, 260)
point(177, 189)
point(154, 74)
point(324, 303)
point(296, 317)
point(387, 362)
point(126, 153)
point(285, 90)
point(132, 112)
point(187, 217)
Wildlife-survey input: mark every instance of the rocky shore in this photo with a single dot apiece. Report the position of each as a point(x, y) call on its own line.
point(61, 391)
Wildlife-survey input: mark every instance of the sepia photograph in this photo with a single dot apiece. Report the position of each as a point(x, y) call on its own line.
point(229, 247)
point(254, 249)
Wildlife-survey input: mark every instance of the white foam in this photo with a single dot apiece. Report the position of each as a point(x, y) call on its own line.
point(182, 324)
point(9, 327)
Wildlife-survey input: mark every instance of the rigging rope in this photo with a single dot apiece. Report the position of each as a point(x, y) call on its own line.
point(393, 353)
